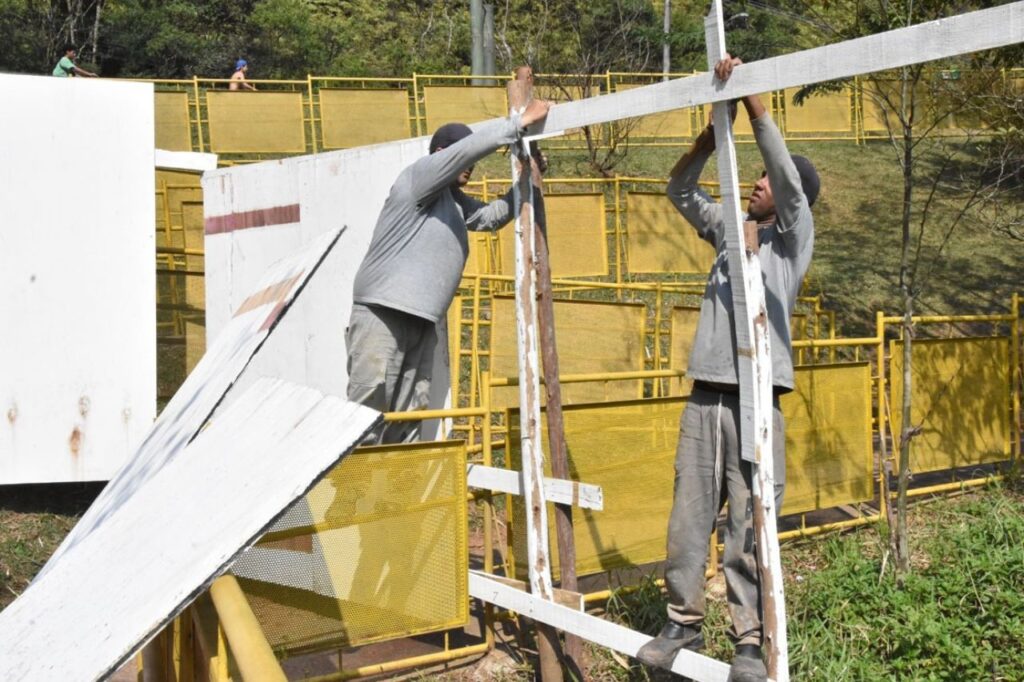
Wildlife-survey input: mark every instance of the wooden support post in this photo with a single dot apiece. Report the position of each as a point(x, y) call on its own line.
point(755, 369)
point(531, 447)
point(556, 426)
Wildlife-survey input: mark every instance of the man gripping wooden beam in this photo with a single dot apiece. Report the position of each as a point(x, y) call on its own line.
point(709, 465)
point(412, 270)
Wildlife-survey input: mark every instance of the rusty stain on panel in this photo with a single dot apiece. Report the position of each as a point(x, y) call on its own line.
point(75, 441)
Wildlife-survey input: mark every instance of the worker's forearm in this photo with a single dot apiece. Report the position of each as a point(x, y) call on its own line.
point(703, 145)
point(754, 106)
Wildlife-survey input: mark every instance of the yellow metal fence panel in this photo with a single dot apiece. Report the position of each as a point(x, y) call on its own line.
point(683, 327)
point(659, 240)
point(173, 129)
point(668, 124)
point(629, 450)
point(445, 104)
point(825, 113)
point(591, 337)
point(388, 556)
point(576, 236)
point(356, 117)
point(961, 401)
point(256, 122)
point(829, 458)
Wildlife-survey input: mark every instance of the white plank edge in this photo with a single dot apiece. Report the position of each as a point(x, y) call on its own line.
point(949, 37)
point(166, 543)
point(186, 161)
point(591, 628)
point(557, 490)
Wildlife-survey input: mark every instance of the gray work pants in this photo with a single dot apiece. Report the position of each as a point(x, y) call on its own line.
point(709, 471)
point(390, 358)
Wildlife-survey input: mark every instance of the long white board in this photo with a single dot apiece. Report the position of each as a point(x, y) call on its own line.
point(168, 540)
point(77, 282)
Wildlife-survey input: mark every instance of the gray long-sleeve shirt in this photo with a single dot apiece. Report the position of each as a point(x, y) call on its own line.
point(785, 254)
point(419, 245)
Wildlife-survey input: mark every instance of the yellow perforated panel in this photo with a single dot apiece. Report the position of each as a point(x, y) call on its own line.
point(252, 122)
point(825, 113)
point(961, 400)
point(173, 131)
point(829, 460)
point(576, 236)
point(658, 239)
point(480, 259)
point(192, 227)
point(668, 124)
point(683, 328)
point(387, 558)
point(591, 337)
point(629, 450)
point(352, 118)
point(463, 104)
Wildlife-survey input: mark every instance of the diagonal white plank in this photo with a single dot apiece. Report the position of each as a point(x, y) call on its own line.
point(167, 541)
point(255, 318)
point(949, 37)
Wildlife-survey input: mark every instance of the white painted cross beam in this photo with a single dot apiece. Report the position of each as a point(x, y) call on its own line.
point(557, 490)
point(948, 37)
point(167, 541)
point(754, 365)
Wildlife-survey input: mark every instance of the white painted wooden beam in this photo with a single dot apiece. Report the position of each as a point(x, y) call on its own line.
point(166, 542)
point(591, 628)
point(754, 364)
point(949, 37)
point(560, 491)
point(567, 598)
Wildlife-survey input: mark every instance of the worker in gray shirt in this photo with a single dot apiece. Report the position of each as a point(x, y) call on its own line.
point(412, 270)
point(708, 468)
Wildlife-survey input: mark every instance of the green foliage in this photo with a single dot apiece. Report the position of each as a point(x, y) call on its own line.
point(958, 616)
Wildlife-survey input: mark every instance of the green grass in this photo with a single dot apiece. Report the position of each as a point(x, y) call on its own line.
point(958, 616)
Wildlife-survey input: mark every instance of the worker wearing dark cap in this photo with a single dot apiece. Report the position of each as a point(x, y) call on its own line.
point(709, 469)
point(412, 270)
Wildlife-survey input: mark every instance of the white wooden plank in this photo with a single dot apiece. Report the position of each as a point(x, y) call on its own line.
point(754, 360)
point(187, 161)
point(948, 37)
point(591, 628)
point(255, 318)
point(527, 343)
point(77, 282)
point(159, 548)
point(557, 490)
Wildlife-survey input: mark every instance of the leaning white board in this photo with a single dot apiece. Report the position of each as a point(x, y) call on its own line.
point(77, 282)
point(255, 317)
point(257, 211)
point(101, 603)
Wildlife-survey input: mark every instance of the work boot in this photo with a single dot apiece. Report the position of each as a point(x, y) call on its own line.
point(747, 665)
point(661, 651)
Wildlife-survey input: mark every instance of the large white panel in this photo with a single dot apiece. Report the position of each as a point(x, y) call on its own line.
point(292, 201)
point(100, 603)
point(77, 276)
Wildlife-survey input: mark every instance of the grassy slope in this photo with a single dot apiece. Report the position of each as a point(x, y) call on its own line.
point(857, 245)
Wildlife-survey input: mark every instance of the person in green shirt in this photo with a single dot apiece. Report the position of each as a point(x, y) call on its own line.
point(66, 67)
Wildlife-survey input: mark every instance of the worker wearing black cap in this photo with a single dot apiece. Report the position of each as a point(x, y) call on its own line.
point(411, 272)
point(709, 469)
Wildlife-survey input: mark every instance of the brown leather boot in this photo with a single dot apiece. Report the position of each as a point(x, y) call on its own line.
point(661, 651)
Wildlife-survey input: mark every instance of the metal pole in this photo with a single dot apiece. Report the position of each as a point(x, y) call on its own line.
point(489, 67)
point(476, 26)
point(666, 50)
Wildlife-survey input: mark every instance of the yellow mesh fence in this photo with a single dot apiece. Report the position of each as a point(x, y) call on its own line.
point(576, 236)
point(826, 113)
point(590, 337)
point(387, 557)
point(829, 459)
point(658, 239)
point(192, 229)
point(444, 104)
point(352, 118)
point(961, 401)
point(668, 124)
point(629, 450)
point(173, 129)
point(683, 321)
point(256, 122)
